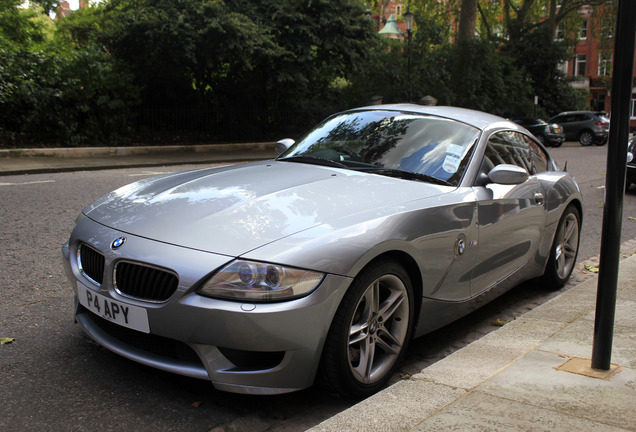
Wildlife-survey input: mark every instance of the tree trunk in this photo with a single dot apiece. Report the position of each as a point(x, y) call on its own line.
point(467, 21)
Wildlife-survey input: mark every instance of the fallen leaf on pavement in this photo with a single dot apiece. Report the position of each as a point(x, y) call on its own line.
point(6, 340)
point(592, 268)
point(499, 323)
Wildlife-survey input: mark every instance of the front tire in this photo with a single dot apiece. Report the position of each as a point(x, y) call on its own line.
point(565, 249)
point(542, 139)
point(370, 331)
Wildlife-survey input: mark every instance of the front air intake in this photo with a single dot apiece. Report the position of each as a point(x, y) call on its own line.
point(91, 264)
point(144, 282)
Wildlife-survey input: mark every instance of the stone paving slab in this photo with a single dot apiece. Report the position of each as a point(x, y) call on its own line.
point(397, 408)
point(483, 412)
point(534, 381)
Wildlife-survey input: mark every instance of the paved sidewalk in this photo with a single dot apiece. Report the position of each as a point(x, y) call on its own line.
point(37, 161)
point(533, 374)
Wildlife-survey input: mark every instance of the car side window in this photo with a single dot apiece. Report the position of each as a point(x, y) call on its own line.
point(516, 149)
point(538, 156)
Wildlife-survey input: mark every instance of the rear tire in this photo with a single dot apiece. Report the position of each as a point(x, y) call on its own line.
point(565, 249)
point(370, 331)
point(586, 138)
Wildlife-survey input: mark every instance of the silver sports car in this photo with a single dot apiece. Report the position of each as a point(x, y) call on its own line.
point(382, 224)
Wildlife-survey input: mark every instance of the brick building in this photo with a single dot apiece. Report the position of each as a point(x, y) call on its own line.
point(591, 63)
point(590, 66)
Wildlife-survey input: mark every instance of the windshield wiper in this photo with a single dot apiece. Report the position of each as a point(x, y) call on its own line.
point(314, 160)
point(406, 175)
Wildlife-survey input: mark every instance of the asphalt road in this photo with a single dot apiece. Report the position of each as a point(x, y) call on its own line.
point(53, 378)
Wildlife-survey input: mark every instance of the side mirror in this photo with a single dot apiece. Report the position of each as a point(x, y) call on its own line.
point(508, 174)
point(283, 145)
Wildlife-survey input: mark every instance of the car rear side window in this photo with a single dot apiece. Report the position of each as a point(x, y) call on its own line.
point(516, 149)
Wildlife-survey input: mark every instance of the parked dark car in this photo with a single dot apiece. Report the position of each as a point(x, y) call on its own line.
point(631, 163)
point(549, 134)
point(586, 127)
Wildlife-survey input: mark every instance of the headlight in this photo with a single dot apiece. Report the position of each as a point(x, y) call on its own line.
point(630, 156)
point(79, 217)
point(258, 282)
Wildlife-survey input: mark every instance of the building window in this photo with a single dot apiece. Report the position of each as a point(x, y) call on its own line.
point(604, 64)
point(398, 10)
point(579, 65)
point(633, 110)
point(598, 102)
point(583, 30)
point(559, 34)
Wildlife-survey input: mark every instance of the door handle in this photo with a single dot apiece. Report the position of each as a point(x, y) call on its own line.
point(539, 198)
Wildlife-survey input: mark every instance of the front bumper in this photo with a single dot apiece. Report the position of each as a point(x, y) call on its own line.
point(554, 138)
point(265, 348)
point(631, 173)
point(601, 136)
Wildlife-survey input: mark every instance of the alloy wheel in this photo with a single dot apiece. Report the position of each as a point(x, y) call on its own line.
point(567, 246)
point(378, 329)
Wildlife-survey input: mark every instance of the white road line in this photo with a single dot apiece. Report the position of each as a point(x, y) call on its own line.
point(27, 183)
point(149, 173)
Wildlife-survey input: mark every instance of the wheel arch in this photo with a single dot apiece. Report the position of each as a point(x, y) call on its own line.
point(413, 270)
point(579, 206)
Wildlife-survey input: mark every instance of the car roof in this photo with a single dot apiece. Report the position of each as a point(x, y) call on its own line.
point(533, 120)
point(477, 119)
point(576, 112)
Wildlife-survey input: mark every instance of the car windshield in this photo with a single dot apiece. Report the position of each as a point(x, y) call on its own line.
point(405, 145)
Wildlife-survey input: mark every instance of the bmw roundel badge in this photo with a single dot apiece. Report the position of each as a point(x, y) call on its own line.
point(119, 241)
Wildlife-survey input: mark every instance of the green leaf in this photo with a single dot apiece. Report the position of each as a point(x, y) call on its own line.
point(6, 340)
point(591, 268)
point(499, 322)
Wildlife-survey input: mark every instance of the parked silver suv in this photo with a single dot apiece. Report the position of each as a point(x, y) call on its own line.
point(586, 127)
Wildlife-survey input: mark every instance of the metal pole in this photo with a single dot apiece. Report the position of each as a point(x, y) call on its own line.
point(614, 184)
point(408, 47)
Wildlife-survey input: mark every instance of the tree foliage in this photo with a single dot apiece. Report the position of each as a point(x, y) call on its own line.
point(50, 94)
point(528, 34)
point(260, 69)
point(18, 26)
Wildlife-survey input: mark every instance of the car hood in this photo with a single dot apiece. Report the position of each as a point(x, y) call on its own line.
point(233, 210)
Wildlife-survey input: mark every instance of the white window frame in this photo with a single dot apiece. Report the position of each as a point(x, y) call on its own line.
point(604, 64)
point(582, 33)
point(580, 59)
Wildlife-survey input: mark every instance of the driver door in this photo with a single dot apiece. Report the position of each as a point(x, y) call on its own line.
point(511, 218)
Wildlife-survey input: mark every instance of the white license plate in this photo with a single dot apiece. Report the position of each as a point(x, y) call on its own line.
point(126, 315)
